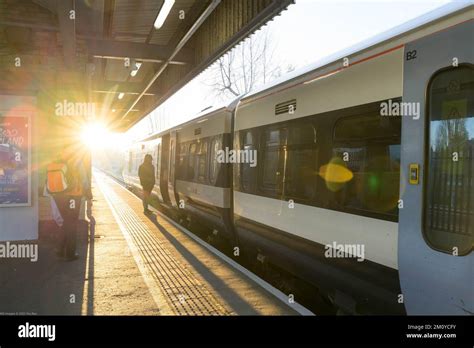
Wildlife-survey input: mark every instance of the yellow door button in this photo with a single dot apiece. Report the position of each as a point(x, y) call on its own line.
point(414, 174)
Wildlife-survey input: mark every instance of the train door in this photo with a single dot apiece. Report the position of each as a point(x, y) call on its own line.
point(165, 156)
point(172, 168)
point(436, 221)
point(158, 148)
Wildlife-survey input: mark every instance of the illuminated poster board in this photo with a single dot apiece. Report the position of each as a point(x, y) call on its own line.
point(15, 161)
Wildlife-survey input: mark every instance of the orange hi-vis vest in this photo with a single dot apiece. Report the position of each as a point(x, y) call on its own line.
point(56, 181)
point(62, 180)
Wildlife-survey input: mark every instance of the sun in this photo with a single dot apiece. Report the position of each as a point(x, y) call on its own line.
point(97, 136)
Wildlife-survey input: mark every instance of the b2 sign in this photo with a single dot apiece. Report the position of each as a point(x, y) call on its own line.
point(15, 171)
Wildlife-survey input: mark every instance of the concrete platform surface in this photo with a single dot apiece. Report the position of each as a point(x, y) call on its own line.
point(132, 265)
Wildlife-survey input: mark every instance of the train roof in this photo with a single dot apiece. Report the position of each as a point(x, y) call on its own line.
point(203, 114)
point(384, 37)
point(366, 45)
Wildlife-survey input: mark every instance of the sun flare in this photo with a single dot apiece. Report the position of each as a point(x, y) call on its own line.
point(97, 136)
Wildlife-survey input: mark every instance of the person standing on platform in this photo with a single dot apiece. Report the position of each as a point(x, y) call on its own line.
point(146, 173)
point(67, 184)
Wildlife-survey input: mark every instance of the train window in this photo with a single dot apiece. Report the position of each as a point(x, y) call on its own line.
point(191, 170)
point(172, 161)
point(273, 161)
point(370, 127)
point(216, 145)
point(364, 173)
point(248, 138)
point(202, 162)
point(449, 179)
point(273, 137)
point(301, 167)
point(182, 156)
point(248, 173)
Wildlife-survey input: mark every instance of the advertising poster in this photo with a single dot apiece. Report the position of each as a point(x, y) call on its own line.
point(15, 174)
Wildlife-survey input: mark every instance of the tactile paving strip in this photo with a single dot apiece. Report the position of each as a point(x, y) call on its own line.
point(183, 291)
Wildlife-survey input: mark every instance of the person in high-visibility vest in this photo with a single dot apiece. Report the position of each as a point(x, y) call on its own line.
point(67, 184)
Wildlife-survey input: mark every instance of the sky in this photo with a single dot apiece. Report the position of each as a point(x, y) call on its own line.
point(308, 31)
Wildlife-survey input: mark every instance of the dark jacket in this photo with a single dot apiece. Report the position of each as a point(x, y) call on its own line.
point(146, 173)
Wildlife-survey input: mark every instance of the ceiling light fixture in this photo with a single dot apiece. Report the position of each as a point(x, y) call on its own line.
point(164, 12)
point(121, 95)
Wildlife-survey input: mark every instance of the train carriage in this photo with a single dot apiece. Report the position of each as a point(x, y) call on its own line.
point(203, 181)
point(362, 179)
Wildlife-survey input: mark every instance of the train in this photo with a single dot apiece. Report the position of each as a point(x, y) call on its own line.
point(354, 174)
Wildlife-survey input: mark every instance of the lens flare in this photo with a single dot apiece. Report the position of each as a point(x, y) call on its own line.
point(97, 136)
point(335, 174)
point(381, 183)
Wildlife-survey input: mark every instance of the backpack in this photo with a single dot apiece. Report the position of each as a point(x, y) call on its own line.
point(56, 179)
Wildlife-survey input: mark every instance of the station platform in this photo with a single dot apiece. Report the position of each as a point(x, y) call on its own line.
point(132, 264)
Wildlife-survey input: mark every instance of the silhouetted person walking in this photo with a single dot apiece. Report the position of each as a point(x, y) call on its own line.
point(146, 173)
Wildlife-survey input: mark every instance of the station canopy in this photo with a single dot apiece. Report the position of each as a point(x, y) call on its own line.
point(125, 57)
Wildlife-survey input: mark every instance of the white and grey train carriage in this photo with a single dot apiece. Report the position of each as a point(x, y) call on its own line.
point(196, 187)
point(339, 166)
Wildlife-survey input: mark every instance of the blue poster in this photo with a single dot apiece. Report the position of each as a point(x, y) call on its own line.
point(15, 174)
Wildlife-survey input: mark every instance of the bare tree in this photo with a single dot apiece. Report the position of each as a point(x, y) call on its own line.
point(247, 66)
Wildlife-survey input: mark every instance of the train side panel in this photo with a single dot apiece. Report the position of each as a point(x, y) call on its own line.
point(203, 182)
point(327, 178)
